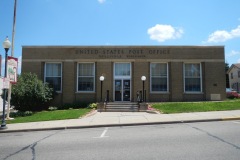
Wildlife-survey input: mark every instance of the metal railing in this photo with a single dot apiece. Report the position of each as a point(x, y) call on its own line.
point(140, 97)
point(106, 99)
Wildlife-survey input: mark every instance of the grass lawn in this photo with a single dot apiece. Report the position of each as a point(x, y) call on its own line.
point(184, 107)
point(51, 115)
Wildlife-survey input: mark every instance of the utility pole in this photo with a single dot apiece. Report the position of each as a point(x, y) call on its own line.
point(12, 54)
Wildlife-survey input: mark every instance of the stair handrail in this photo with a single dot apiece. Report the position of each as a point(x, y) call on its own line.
point(107, 97)
point(139, 95)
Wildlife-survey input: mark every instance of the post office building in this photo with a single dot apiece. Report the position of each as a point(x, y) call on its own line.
point(127, 73)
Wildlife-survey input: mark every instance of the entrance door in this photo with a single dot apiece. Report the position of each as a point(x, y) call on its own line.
point(122, 90)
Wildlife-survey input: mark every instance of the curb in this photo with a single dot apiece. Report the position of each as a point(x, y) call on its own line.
point(91, 113)
point(120, 125)
point(230, 118)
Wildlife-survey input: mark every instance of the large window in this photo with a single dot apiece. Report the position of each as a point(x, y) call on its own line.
point(193, 77)
point(122, 69)
point(86, 77)
point(159, 77)
point(53, 75)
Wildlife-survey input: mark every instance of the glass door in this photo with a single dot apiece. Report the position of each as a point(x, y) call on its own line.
point(122, 81)
point(126, 90)
point(122, 90)
point(118, 90)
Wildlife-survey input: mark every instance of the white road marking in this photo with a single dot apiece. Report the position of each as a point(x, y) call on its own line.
point(236, 122)
point(103, 134)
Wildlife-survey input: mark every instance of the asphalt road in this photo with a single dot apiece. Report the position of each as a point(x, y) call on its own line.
point(193, 141)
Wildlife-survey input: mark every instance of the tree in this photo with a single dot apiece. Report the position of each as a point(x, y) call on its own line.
point(30, 93)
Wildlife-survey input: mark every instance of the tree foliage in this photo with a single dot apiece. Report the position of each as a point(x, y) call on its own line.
point(30, 93)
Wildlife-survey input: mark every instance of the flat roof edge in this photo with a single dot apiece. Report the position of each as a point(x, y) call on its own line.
point(117, 46)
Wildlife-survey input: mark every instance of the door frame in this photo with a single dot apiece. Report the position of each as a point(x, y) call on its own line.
point(122, 78)
point(122, 89)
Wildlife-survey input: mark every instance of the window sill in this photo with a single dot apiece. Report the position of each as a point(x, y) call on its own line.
point(193, 93)
point(85, 92)
point(59, 92)
point(159, 92)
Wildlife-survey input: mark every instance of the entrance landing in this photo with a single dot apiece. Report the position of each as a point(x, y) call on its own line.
point(122, 107)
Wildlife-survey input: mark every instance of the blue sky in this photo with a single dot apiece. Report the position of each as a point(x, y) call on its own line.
point(123, 22)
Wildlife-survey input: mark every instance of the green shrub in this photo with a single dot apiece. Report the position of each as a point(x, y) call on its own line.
point(21, 114)
point(30, 93)
point(92, 106)
point(51, 108)
point(74, 105)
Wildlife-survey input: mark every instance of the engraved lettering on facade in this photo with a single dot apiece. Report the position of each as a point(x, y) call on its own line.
point(122, 53)
point(157, 51)
point(114, 51)
point(86, 51)
point(135, 51)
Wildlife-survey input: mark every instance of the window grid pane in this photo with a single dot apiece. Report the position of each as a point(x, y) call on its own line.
point(159, 84)
point(159, 69)
point(53, 70)
point(53, 75)
point(85, 83)
point(122, 69)
point(86, 77)
point(54, 82)
point(192, 78)
point(85, 69)
point(159, 80)
point(192, 70)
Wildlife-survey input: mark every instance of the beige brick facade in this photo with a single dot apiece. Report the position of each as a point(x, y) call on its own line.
point(210, 58)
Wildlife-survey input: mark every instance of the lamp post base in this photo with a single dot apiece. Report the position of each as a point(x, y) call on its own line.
point(9, 118)
point(3, 126)
point(143, 106)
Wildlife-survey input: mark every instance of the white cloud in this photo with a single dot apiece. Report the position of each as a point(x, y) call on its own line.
point(233, 53)
point(108, 44)
point(101, 1)
point(161, 32)
point(222, 35)
point(236, 32)
point(238, 61)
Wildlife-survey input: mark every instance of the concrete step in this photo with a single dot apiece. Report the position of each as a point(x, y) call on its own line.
point(120, 110)
point(121, 107)
point(122, 103)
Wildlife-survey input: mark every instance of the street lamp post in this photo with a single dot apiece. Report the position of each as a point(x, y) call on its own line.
point(101, 79)
point(6, 46)
point(143, 78)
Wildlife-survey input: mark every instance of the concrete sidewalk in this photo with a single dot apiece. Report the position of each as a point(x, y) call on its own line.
point(107, 119)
